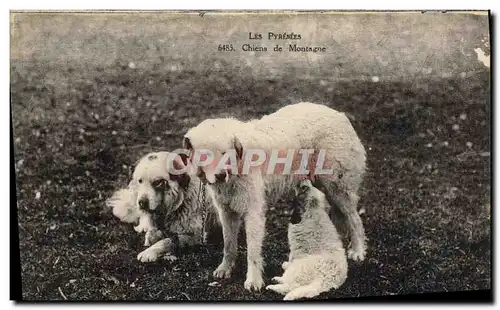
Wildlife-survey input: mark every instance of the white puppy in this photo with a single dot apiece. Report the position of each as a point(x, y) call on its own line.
point(168, 206)
point(317, 261)
point(123, 204)
point(243, 197)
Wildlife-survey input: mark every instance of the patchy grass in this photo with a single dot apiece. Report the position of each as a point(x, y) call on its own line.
point(78, 132)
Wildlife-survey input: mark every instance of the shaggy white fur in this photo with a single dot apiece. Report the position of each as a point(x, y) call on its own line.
point(317, 261)
point(298, 126)
point(123, 204)
point(175, 197)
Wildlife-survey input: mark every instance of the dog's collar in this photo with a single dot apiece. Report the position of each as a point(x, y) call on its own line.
point(203, 213)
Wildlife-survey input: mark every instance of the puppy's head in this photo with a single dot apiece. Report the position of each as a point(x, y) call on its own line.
point(307, 198)
point(159, 180)
point(215, 149)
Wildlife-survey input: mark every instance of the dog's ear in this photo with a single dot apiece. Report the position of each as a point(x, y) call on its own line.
point(186, 143)
point(179, 163)
point(184, 158)
point(238, 147)
point(183, 179)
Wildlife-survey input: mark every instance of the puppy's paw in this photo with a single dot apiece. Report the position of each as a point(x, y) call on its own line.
point(290, 296)
point(271, 287)
point(223, 271)
point(356, 255)
point(278, 288)
point(147, 256)
point(277, 279)
point(254, 282)
point(285, 265)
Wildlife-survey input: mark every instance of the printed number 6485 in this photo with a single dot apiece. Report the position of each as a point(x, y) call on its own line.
point(226, 48)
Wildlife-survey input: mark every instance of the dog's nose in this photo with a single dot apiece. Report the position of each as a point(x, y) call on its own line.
point(144, 204)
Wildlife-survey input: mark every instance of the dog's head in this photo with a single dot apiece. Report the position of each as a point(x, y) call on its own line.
point(307, 198)
point(215, 149)
point(158, 184)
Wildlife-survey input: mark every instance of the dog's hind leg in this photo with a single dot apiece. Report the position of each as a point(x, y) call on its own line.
point(347, 202)
point(231, 223)
point(255, 229)
point(307, 291)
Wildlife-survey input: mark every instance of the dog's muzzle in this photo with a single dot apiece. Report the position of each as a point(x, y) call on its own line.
point(144, 204)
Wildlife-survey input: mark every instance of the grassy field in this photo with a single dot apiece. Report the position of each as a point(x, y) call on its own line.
point(79, 130)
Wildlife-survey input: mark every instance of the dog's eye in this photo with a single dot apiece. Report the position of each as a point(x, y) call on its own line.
point(304, 188)
point(140, 180)
point(159, 183)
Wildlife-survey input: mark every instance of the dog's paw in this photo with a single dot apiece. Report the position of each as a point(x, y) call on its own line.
point(147, 239)
point(254, 282)
point(147, 256)
point(358, 255)
point(285, 265)
point(223, 271)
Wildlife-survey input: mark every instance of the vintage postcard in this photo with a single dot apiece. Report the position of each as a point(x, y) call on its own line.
point(250, 155)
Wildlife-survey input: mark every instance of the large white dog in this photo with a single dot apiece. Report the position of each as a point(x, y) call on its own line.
point(167, 206)
point(243, 196)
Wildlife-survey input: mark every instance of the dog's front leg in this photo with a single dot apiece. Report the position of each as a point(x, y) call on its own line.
point(255, 229)
point(231, 222)
point(155, 251)
point(152, 236)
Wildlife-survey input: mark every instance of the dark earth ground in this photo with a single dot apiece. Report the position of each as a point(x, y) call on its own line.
point(79, 130)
